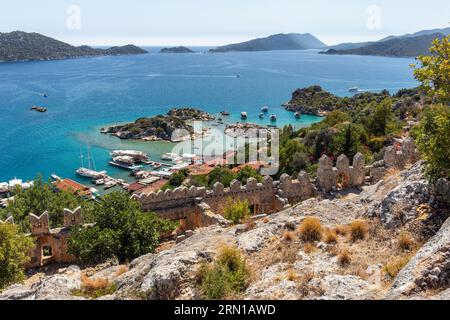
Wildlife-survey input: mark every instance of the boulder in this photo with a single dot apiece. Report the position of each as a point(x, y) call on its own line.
point(428, 269)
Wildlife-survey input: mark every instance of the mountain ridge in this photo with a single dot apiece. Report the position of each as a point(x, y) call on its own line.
point(395, 47)
point(281, 41)
point(24, 46)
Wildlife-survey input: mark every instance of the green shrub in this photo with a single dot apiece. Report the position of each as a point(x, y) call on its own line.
point(37, 199)
point(122, 229)
point(14, 248)
point(433, 140)
point(236, 210)
point(228, 274)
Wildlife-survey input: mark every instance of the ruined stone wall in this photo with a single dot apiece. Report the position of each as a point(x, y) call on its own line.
point(343, 175)
point(266, 197)
point(51, 244)
point(395, 157)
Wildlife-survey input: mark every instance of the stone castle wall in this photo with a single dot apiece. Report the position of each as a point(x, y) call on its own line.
point(200, 207)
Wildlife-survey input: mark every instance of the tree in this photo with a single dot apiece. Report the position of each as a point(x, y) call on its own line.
point(14, 248)
point(434, 70)
point(433, 140)
point(176, 179)
point(348, 140)
point(121, 229)
point(248, 172)
point(381, 117)
point(222, 175)
point(37, 199)
point(236, 210)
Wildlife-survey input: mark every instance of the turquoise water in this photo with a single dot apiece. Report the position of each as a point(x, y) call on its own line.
point(87, 94)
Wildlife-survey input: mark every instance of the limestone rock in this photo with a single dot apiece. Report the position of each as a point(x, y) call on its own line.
point(428, 269)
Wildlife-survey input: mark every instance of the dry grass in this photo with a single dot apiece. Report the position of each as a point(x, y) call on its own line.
point(358, 230)
point(395, 265)
point(344, 258)
point(333, 250)
point(121, 270)
point(282, 253)
point(392, 171)
point(330, 236)
point(341, 230)
point(291, 275)
point(94, 288)
point(310, 230)
point(405, 241)
point(249, 223)
point(309, 247)
point(288, 236)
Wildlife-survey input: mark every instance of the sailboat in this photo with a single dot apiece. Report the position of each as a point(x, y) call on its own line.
point(89, 172)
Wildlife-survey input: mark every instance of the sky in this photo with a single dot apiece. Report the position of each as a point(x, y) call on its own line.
point(218, 22)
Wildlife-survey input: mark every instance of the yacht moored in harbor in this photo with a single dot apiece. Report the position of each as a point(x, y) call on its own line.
point(124, 162)
point(138, 156)
point(265, 109)
point(244, 115)
point(171, 157)
point(273, 118)
point(91, 171)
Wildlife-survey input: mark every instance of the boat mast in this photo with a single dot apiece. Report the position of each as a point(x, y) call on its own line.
point(89, 156)
point(81, 156)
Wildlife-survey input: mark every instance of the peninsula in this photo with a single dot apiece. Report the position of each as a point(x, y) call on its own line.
point(160, 127)
point(410, 45)
point(23, 46)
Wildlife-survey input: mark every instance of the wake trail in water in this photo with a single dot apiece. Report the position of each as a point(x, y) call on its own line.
point(191, 75)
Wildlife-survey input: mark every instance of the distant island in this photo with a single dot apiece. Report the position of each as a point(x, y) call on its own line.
point(409, 45)
point(179, 49)
point(291, 41)
point(160, 127)
point(23, 46)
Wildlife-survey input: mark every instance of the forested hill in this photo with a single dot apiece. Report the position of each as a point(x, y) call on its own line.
point(23, 46)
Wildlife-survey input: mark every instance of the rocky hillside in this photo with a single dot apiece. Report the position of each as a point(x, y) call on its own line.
point(291, 41)
point(395, 47)
point(23, 46)
point(404, 253)
point(154, 128)
point(317, 101)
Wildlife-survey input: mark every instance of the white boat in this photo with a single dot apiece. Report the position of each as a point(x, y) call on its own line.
point(244, 115)
point(55, 177)
point(110, 184)
point(125, 162)
point(138, 156)
point(273, 118)
point(265, 109)
point(88, 173)
point(99, 182)
point(353, 89)
point(171, 157)
point(298, 115)
point(91, 171)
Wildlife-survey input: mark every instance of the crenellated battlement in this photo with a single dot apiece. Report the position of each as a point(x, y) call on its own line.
point(39, 225)
point(343, 175)
point(397, 156)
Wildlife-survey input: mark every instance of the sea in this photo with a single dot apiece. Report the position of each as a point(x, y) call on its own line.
point(87, 94)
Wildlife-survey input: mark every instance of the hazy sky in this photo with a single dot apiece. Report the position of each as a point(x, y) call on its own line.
point(215, 22)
